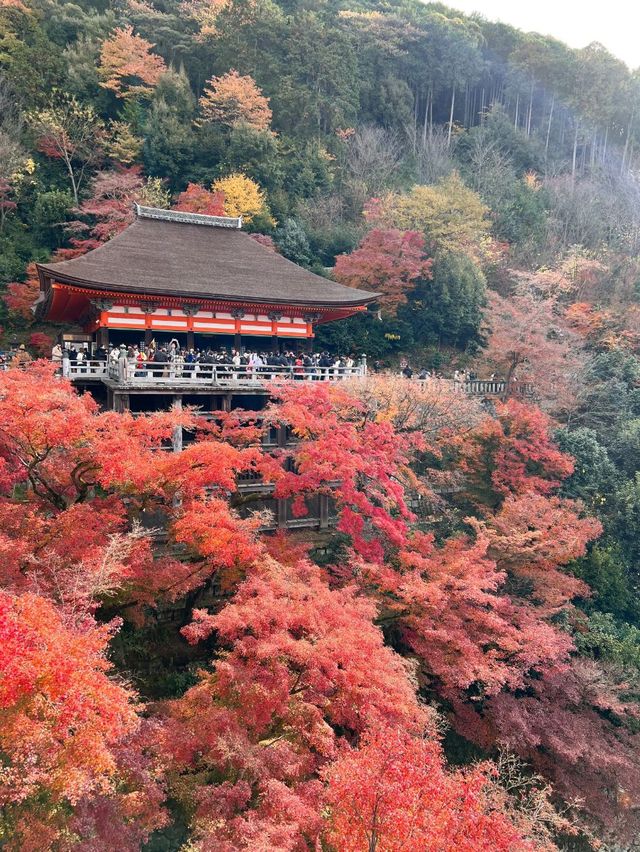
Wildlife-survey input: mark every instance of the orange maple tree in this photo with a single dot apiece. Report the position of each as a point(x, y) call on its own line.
point(234, 99)
point(530, 340)
point(127, 65)
point(62, 718)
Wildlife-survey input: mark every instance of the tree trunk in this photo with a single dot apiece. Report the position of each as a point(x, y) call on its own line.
point(431, 110)
point(604, 144)
point(465, 114)
point(530, 110)
point(453, 103)
point(575, 152)
point(626, 141)
point(546, 144)
point(515, 123)
point(424, 123)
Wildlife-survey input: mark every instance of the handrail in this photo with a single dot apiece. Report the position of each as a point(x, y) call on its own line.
point(487, 387)
point(136, 374)
point(130, 373)
point(84, 369)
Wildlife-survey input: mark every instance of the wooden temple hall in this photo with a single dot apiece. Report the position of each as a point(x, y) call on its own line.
point(194, 277)
point(199, 279)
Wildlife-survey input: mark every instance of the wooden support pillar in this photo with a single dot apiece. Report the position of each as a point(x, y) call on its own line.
point(121, 402)
point(226, 402)
point(324, 511)
point(103, 337)
point(282, 436)
point(148, 336)
point(281, 513)
point(237, 342)
point(191, 339)
point(176, 438)
point(110, 400)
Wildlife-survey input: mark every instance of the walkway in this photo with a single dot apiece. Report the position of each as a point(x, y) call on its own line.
point(159, 377)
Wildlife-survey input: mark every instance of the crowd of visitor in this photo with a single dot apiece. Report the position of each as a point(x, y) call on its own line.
point(173, 361)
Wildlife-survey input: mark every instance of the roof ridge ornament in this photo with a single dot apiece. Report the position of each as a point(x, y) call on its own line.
point(187, 218)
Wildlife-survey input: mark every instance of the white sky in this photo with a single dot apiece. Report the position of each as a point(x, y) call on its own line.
point(614, 23)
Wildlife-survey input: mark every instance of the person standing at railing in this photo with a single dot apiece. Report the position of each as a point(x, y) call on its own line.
point(122, 363)
point(81, 358)
point(189, 363)
point(141, 363)
point(325, 363)
point(132, 353)
point(22, 357)
point(56, 356)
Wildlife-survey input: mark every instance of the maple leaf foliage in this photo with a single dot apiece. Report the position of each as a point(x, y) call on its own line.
point(235, 100)
point(127, 65)
point(576, 727)
point(197, 199)
point(41, 342)
point(110, 206)
point(335, 430)
point(448, 603)
point(61, 717)
point(532, 536)
point(21, 295)
point(530, 340)
point(389, 262)
point(511, 453)
point(300, 663)
point(303, 662)
point(394, 793)
point(59, 447)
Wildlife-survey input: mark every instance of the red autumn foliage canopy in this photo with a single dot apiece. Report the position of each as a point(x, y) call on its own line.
point(388, 262)
point(313, 670)
point(197, 199)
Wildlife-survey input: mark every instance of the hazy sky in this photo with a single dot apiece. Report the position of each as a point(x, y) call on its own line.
point(614, 23)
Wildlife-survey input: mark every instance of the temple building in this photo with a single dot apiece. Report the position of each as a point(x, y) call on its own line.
point(197, 278)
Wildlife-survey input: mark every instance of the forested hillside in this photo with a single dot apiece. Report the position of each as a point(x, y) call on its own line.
point(486, 565)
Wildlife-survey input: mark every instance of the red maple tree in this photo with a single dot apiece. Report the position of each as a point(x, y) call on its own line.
point(388, 262)
point(197, 199)
point(62, 718)
point(394, 793)
point(530, 340)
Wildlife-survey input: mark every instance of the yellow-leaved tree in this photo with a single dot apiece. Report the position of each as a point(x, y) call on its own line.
point(244, 197)
point(451, 216)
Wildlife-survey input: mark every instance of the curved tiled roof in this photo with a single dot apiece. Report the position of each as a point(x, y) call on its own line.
point(170, 253)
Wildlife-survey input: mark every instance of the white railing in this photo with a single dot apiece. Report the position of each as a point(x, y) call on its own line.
point(487, 387)
point(151, 373)
point(84, 369)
